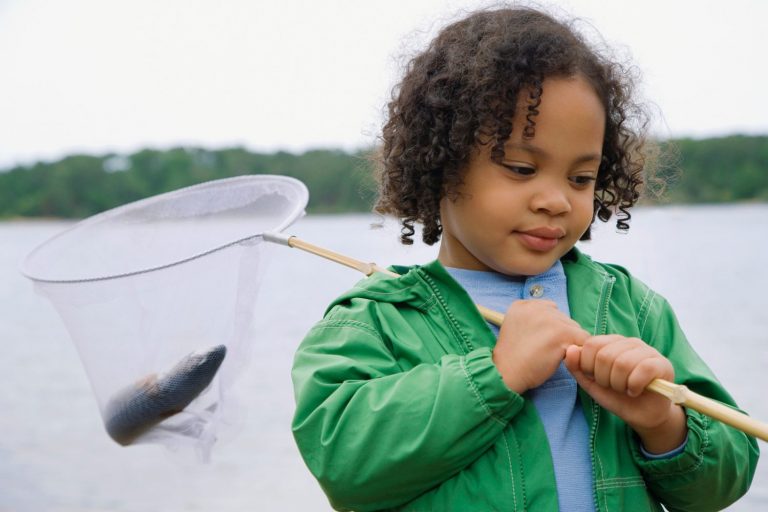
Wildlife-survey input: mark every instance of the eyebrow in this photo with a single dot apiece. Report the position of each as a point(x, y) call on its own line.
point(530, 148)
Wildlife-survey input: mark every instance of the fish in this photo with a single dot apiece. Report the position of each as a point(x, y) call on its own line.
point(135, 409)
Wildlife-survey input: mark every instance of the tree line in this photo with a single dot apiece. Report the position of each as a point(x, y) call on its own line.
point(713, 170)
point(717, 170)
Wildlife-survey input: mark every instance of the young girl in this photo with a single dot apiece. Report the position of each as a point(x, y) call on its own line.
point(505, 139)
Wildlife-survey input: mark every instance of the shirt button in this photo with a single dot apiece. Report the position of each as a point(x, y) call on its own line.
point(536, 291)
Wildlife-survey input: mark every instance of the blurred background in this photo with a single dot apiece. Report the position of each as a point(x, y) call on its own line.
point(106, 102)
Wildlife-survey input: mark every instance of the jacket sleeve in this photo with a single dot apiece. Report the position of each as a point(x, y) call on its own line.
point(376, 435)
point(718, 463)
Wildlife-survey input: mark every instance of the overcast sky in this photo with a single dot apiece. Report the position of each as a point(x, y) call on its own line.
point(104, 75)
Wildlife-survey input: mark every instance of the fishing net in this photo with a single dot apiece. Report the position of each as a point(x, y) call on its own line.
point(159, 296)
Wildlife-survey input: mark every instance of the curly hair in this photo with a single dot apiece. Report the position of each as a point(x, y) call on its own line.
point(463, 90)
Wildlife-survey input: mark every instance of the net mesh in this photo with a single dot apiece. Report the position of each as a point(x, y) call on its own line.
point(152, 291)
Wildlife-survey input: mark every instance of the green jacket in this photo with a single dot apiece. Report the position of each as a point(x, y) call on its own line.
point(399, 405)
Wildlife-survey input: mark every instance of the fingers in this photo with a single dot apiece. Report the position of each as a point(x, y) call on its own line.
point(622, 367)
point(573, 359)
point(577, 336)
point(614, 362)
point(625, 365)
point(532, 342)
point(591, 347)
point(542, 318)
point(646, 372)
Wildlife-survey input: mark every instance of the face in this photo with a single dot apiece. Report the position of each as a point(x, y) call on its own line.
point(520, 217)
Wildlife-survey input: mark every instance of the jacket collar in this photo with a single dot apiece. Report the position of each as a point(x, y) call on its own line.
point(423, 286)
point(589, 287)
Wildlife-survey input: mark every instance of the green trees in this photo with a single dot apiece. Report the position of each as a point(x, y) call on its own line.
point(713, 170)
point(721, 170)
point(78, 186)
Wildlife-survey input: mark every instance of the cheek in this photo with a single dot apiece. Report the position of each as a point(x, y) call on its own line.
point(583, 210)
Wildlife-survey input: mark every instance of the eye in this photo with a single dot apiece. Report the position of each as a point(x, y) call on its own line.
point(582, 180)
point(520, 170)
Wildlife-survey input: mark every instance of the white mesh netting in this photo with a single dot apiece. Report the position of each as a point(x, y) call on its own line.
point(155, 293)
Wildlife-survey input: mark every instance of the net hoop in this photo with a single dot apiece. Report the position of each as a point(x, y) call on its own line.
point(292, 185)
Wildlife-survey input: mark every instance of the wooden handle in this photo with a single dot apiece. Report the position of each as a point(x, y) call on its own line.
point(675, 392)
point(490, 315)
point(680, 394)
point(365, 268)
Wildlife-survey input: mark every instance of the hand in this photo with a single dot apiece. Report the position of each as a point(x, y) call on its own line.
point(615, 371)
point(532, 343)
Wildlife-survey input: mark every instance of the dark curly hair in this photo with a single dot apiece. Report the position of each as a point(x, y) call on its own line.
point(462, 91)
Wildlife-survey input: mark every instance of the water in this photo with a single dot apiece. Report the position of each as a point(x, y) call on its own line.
point(55, 455)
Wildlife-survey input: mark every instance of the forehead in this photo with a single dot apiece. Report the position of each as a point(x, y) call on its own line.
point(569, 117)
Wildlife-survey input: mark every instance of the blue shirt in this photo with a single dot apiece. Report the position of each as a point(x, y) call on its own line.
point(557, 400)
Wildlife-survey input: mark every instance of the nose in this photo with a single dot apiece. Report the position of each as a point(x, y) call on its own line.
point(550, 199)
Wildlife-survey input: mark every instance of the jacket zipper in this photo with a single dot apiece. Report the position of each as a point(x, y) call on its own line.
point(600, 328)
point(592, 432)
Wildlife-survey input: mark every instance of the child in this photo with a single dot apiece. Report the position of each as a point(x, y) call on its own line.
point(505, 139)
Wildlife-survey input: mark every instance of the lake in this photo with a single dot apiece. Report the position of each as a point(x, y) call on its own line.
point(709, 261)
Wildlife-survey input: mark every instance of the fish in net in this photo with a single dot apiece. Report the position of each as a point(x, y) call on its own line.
point(142, 405)
point(159, 298)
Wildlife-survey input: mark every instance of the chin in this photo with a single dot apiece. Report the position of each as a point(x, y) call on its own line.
point(527, 269)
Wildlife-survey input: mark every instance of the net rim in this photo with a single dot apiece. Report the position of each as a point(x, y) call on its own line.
point(297, 212)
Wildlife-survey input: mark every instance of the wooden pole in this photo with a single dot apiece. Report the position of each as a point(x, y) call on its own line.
point(677, 393)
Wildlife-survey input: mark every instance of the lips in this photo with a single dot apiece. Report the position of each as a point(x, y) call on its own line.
point(540, 239)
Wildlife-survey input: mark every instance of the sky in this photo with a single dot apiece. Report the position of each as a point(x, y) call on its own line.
point(100, 76)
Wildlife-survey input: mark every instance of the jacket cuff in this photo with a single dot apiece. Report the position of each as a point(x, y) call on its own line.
point(688, 460)
point(499, 402)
